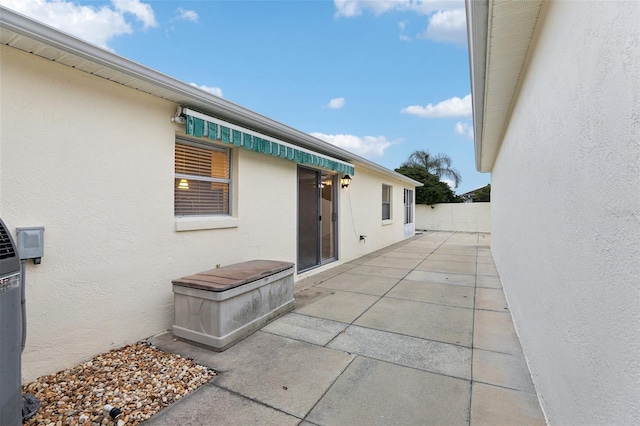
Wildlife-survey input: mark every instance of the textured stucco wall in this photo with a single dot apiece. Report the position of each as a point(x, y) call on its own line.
point(462, 217)
point(566, 212)
point(361, 214)
point(93, 162)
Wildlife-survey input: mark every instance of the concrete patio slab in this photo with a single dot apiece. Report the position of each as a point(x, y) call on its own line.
point(441, 294)
point(408, 253)
point(442, 278)
point(492, 405)
point(372, 392)
point(485, 259)
point(379, 271)
point(308, 329)
point(494, 331)
point(376, 341)
point(491, 299)
point(283, 373)
point(487, 269)
point(213, 405)
point(452, 258)
point(357, 283)
point(456, 251)
point(393, 262)
point(427, 355)
point(485, 252)
point(436, 322)
point(448, 267)
point(488, 282)
point(339, 306)
point(325, 275)
point(506, 370)
point(307, 296)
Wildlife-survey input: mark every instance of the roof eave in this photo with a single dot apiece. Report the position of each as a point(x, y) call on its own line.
point(477, 31)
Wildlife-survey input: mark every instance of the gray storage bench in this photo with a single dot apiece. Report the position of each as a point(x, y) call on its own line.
point(218, 307)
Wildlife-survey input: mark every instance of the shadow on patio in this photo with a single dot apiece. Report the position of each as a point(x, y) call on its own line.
point(416, 333)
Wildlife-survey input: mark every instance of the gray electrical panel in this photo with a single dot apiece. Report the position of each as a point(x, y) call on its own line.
point(10, 331)
point(31, 243)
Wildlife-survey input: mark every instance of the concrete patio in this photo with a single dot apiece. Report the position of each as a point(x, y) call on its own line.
point(416, 333)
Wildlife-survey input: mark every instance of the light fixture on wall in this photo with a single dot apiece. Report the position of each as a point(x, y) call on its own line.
point(345, 181)
point(183, 184)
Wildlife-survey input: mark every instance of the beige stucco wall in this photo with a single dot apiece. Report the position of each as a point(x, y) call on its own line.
point(566, 212)
point(361, 214)
point(462, 217)
point(93, 162)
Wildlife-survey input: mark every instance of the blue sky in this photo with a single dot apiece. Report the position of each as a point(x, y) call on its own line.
point(379, 78)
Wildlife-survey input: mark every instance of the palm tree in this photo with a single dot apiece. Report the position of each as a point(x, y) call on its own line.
point(439, 165)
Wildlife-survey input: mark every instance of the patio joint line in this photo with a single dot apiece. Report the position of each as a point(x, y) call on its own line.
point(434, 303)
point(409, 335)
point(330, 386)
point(505, 387)
point(264, 404)
point(473, 327)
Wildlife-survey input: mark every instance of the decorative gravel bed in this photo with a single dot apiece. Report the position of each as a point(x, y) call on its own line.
point(138, 379)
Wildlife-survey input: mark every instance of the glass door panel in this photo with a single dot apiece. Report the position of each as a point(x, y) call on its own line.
point(308, 219)
point(328, 217)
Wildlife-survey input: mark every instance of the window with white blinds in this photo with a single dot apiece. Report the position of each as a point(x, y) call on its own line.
point(202, 179)
point(386, 202)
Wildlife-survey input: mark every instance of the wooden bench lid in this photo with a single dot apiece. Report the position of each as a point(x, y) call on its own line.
point(227, 277)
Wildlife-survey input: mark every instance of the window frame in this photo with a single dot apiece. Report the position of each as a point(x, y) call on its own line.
point(389, 202)
point(229, 181)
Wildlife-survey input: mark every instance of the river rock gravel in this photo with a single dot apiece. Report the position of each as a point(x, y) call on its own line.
point(138, 379)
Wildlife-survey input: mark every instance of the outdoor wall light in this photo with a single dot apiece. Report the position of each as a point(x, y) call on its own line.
point(183, 184)
point(345, 181)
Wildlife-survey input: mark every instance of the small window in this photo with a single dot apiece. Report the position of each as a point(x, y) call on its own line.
point(386, 202)
point(202, 179)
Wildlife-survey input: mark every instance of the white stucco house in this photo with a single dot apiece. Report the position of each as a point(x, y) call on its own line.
point(556, 107)
point(139, 178)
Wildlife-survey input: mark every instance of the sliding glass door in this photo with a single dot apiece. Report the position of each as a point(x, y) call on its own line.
point(317, 218)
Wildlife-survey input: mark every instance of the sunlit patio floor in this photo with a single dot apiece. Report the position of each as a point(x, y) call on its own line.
point(415, 333)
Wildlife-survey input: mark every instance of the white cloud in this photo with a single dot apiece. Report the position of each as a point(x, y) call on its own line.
point(451, 183)
point(452, 107)
point(403, 25)
point(97, 25)
point(350, 8)
point(464, 129)
point(142, 11)
point(449, 26)
point(368, 146)
point(186, 15)
point(213, 90)
point(336, 103)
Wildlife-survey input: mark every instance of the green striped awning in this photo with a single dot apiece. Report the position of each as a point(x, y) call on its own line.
point(201, 125)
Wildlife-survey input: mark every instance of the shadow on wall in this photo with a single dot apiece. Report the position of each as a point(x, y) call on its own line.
point(462, 217)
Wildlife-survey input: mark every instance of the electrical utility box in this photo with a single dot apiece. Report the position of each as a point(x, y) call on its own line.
point(10, 331)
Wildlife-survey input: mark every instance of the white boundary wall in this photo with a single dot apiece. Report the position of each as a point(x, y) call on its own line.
point(463, 217)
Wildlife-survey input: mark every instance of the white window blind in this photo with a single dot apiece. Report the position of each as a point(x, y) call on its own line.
point(386, 202)
point(202, 179)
